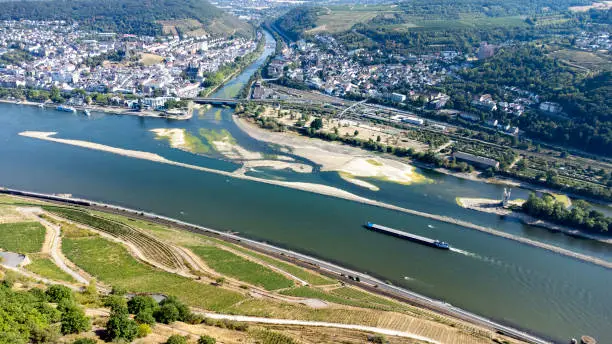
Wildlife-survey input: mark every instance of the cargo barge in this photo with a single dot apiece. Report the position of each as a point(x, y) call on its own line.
point(412, 237)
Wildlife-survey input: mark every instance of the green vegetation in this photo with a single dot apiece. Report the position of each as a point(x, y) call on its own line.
point(194, 145)
point(230, 264)
point(26, 316)
point(176, 339)
point(271, 337)
point(218, 115)
point(348, 296)
point(584, 96)
point(580, 216)
point(22, 237)
point(15, 57)
point(45, 267)
point(123, 16)
point(111, 263)
point(212, 135)
point(150, 247)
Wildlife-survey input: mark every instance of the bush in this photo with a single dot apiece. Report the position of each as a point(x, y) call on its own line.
point(118, 291)
point(176, 339)
point(120, 326)
point(143, 330)
point(74, 320)
point(166, 314)
point(57, 293)
point(84, 341)
point(145, 317)
point(116, 303)
point(206, 340)
point(184, 314)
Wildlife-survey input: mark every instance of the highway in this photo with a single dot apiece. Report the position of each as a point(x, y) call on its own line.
point(347, 275)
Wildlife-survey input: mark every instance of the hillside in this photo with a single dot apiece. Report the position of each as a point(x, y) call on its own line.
point(130, 16)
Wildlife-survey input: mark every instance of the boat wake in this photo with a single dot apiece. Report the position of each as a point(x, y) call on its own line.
point(479, 257)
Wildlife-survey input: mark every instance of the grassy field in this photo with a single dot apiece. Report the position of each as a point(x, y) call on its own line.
point(190, 239)
point(342, 18)
point(351, 297)
point(584, 59)
point(44, 267)
point(22, 237)
point(111, 263)
point(230, 264)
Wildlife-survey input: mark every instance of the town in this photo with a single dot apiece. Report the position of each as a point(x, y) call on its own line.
point(55, 54)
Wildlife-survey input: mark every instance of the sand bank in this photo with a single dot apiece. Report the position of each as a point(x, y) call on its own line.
point(176, 136)
point(351, 179)
point(317, 188)
point(332, 156)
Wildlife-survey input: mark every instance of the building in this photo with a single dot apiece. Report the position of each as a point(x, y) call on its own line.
point(397, 98)
point(551, 107)
point(157, 102)
point(258, 91)
point(476, 160)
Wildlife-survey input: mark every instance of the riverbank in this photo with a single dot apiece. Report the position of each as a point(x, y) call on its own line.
point(111, 110)
point(345, 275)
point(319, 189)
point(319, 151)
point(493, 206)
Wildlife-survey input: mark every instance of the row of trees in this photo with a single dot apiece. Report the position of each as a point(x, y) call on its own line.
point(579, 216)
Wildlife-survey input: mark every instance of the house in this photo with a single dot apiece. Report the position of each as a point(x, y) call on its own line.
point(486, 50)
point(551, 107)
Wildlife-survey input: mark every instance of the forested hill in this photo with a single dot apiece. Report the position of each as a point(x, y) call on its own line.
point(127, 16)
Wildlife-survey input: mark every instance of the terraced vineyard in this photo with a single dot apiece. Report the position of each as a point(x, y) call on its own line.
point(150, 247)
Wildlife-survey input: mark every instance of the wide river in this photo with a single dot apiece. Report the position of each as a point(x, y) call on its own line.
point(527, 287)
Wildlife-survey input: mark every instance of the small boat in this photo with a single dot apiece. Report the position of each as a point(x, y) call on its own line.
point(87, 113)
point(42, 106)
point(66, 109)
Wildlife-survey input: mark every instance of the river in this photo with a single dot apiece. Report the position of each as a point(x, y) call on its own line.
point(548, 294)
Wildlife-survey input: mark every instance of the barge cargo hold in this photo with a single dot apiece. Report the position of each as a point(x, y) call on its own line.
point(412, 237)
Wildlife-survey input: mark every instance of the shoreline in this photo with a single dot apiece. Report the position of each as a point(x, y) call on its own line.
point(265, 135)
point(368, 283)
point(321, 189)
point(492, 206)
point(103, 109)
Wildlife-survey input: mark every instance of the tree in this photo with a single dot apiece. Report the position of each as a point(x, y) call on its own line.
point(74, 320)
point(316, 124)
point(116, 303)
point(166, 314)
point(140, 303)
point(56, 293)
point(206, 340)
point(176, 339)
point(120, 326)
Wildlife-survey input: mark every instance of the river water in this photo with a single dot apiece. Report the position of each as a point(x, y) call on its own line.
point(527, 287)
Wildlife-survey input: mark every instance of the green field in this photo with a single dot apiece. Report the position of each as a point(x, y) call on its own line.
point(349, 296)
point(189, 239)
point(111, 263)
point(230, 264)
point(44, 267)
point(314, 279)
point(22, 237)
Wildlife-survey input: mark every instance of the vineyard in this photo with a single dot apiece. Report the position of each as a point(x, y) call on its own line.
point(150, 247)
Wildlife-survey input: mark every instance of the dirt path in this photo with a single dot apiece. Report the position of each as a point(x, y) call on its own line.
point(383, 331)
point(56, 252)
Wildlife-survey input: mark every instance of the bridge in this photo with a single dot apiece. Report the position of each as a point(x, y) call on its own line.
point(235, 101)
